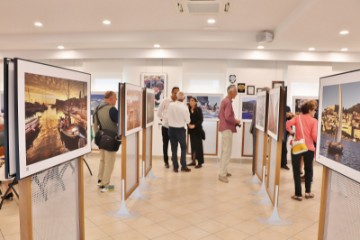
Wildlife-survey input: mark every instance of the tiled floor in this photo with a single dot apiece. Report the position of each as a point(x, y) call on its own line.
point(193, 205)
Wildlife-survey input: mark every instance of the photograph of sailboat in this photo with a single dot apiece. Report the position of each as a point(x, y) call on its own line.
point(340, 124)
point(56, 116)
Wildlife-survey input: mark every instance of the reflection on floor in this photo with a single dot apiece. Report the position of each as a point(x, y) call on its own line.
point(191, 205)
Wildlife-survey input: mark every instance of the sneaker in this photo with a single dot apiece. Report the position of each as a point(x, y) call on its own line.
point(223, 179)
point(107, 188)
point(9, 196)
point(99, 183)
point(228, 175)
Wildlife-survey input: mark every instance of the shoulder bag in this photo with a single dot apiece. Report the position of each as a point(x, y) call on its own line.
point(299, 146)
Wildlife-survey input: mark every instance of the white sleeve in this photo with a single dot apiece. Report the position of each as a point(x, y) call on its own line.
point(161, 109)
point(187, 115)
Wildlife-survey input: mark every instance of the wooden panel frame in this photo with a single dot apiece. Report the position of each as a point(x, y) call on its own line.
point(278, 149)
point(144, 148)
point(323, 202)
point(188, 149)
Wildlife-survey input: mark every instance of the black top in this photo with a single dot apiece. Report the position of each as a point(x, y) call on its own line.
point(196, 118)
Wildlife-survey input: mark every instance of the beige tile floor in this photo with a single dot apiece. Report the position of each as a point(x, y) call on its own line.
point(193, 205)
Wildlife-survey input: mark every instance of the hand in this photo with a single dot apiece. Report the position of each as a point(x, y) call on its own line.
point(191, 126)
point(237, 121)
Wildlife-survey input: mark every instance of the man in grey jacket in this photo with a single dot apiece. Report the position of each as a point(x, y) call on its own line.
point(108, 117)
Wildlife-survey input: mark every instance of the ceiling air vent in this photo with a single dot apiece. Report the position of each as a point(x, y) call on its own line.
point(203, 6)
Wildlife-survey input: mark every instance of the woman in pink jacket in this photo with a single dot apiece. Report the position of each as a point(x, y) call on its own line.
point(306, 128)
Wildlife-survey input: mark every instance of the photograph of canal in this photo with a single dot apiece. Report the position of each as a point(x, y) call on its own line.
point(56, 116)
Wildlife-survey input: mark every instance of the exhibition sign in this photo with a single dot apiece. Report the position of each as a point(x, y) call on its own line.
point(52, 117)
point(338, 144)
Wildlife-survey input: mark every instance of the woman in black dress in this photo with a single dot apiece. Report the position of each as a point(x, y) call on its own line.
point(196, 133)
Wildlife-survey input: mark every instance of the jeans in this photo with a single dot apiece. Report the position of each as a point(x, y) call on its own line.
point(165, 138)
point(308, 163)
point(178, 136)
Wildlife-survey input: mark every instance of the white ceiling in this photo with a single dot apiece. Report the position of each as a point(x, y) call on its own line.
point(139, 24)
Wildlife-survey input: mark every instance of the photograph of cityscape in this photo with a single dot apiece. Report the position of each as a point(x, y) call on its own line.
point(261, 111)
point(273, 113)
point(56, 116)
point(247, 108)
point(340, 124)
point(133, 108)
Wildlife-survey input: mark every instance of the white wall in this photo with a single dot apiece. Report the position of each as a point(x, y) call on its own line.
point(206, 76)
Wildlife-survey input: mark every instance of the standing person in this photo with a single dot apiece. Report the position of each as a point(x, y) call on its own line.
point(288, 116)
point(306, 128)
point(107, 114)
point(227, 126)
point(162, 114)
point(195, 131)
point(178, 117)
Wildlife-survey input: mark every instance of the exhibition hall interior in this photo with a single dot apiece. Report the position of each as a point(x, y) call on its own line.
point(179, 120)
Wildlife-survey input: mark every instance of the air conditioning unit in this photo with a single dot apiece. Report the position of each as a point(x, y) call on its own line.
point(203, 6)
point(265, 37)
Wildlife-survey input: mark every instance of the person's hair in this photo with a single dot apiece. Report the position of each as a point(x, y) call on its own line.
point(308, 106)
point(180, 95)
point(194, 98)
point(231, 88)
point(109, 94)
point(174, 88)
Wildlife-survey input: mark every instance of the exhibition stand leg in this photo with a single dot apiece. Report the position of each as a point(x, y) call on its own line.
point(143, 184)
point(123, 211)
point(151, 175)
point(262, 190)
point(255, 179)
point(10, 187)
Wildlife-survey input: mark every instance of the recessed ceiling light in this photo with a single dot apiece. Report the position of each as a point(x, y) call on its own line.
point(38, 24)
point(260, 47)
point(311, 49)
point(156, 45)
point(211, 21)
point(61, 47)
point(344, 32)
point(344, 49)
point(106, 22)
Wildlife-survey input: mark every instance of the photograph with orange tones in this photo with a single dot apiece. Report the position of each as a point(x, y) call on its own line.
point(133, 109)
point(273, 113)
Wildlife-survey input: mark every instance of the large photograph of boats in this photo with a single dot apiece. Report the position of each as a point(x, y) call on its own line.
point(261, 111)
point(273, 113)
point(53, 115)
point(209, 104)
point(339, 121)
point(133, 109)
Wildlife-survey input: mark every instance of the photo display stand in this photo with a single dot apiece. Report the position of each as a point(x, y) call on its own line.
point(261, 137)
point(337, 145)
point(130, 110)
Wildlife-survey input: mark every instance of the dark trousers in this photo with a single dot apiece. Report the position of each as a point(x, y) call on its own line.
point(165, 138)
point(177, 136)
point(197, 150)
point(308, 164)
point(283, 154)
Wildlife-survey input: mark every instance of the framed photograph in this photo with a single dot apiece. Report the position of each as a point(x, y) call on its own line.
point(133, 108)
point(95, 99)
point(53, 117)
point(261, 108)
point(247, 108)
point(209, 103)
point(273, 113)
point(298, 101)
point(157, 82)
point(338, 141)
point(276, 84)
point(149, 105)
point(241, 87)
point(250, 90)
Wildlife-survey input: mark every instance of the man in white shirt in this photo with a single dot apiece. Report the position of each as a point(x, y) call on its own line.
point(178, 117)
point(162, 114)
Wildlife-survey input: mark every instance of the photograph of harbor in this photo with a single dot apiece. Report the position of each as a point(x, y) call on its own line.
point(133, 109)
point(261, 111)
point(150, 104)
point(209, 104)
point(247, 108)
point(340, 124)
point(273, 113)
point(56, 116)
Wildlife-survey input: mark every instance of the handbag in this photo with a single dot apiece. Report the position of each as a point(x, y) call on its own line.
point(106, 139)
point(299, 146)
point(203, 136)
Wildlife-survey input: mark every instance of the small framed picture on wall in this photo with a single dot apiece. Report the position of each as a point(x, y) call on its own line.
point(258, 90)
point(241, 87)
point(276, 84)
point(250, 90)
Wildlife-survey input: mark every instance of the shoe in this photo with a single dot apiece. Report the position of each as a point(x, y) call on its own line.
point(223, 179)
point(297, 198)
point(185, 169)
point(285, 167)
point(9, 196)
point(191, 164)
point(167, 165)
point(228, 175)
point(107, 188)
point(176, 170)
point(198, 166)
point(99, 183)
point(309, 195)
